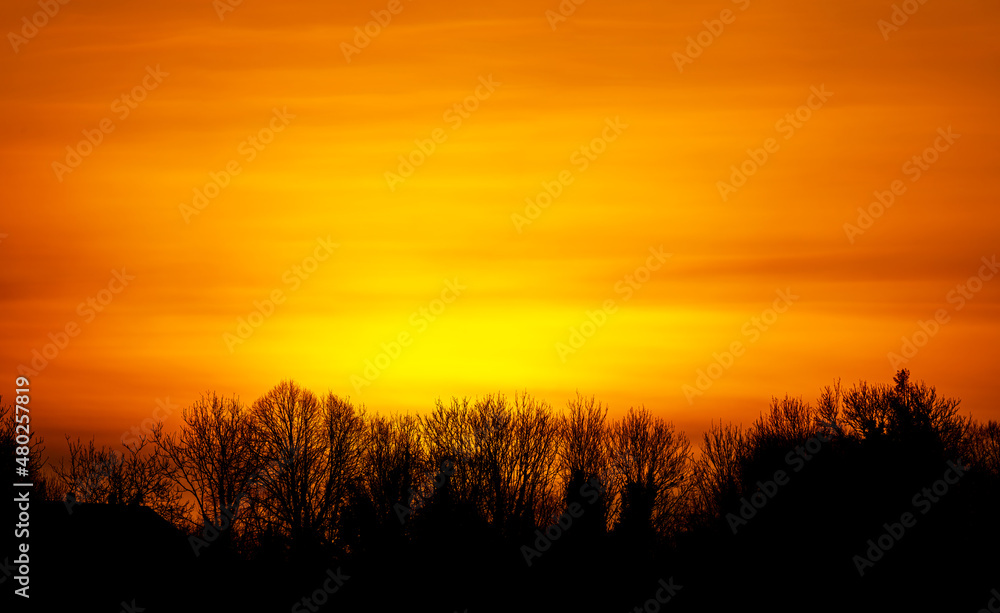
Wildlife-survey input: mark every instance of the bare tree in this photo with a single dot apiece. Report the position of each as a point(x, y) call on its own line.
point(314, 450)
point(215, 458)
point(584, 462)
point(503, 454)
point(136, 477)
point(984, 448)
point(829, 410)
point(584, 449)
point(866, 411)
point(533, 463)
point(717, 472)
point(788, 423)
point(382, 499)
point(448, 436)
point(907, 415)
point(292, 437)
point(9, 432)
point(650, 462)
point(345, 436)
point(452, 448)
point(788, 420)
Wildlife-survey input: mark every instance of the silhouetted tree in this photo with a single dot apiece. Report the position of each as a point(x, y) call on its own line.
point(345, 437)
point(650, 465)
point(519, 446)
point(215, 457)
point(9, 432)
point(583, 458)
point(905, 415)
point(503, 455)
point(717, 472)
point(293, 438)
point(382, 500)
point(443, 506)
point(136, 477)
point(984, 447)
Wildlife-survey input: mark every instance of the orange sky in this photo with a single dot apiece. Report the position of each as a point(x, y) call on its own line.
point(599, 107)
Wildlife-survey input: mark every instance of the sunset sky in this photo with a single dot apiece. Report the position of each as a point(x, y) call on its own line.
point(228, 148)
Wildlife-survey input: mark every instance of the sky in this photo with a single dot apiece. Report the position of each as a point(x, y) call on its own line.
point(688, 206)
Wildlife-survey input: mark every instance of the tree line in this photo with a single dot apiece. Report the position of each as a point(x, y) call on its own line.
point(540, 499)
